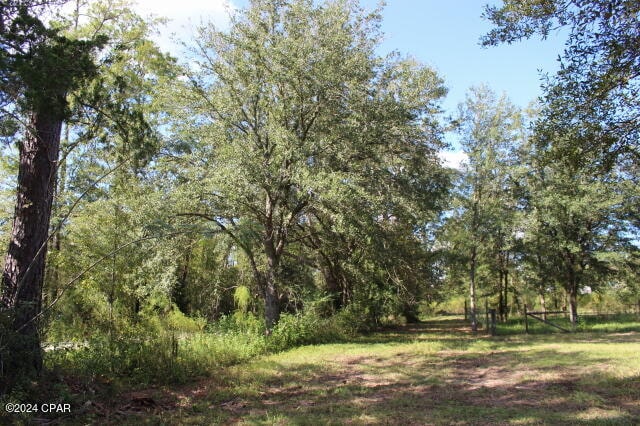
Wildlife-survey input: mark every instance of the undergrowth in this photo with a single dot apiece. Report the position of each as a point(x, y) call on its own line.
point(177, 348)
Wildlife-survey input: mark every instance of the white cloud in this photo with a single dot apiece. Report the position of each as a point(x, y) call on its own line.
point(183, 17)
point(454, 159)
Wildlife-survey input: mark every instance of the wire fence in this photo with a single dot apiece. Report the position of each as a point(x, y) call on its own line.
point(556, 321)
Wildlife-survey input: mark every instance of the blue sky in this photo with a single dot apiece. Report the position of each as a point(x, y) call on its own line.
point(445, 34)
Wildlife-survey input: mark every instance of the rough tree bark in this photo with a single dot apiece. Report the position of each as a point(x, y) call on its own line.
point(24, 265)
point(271, 302)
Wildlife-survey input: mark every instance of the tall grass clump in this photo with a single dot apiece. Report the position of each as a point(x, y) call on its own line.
point(149, 350)
point(173, 347)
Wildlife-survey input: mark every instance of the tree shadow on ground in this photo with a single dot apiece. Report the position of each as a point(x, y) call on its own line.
point(444, 330)
point(493, 389)
point(463, 379)
point(511, 384)
point(458, 335)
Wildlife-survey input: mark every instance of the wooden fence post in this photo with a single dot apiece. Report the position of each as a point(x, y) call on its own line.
point(526, 322)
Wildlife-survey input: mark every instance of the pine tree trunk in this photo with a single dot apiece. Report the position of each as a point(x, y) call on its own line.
point(52, 272)
point(334, 283)
point(24, 265)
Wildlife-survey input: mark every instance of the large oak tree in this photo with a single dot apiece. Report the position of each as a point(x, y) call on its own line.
point(294, 114)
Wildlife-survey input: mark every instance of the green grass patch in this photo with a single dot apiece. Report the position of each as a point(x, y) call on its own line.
point(437, 372)
point(432, 373)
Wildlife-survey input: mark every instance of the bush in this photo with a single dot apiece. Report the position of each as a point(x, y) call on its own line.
point(238, 323)
point(354, 319)
point(307, 328)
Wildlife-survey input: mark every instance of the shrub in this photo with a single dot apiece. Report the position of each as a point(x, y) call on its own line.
point(305, 329)
point(354, 319)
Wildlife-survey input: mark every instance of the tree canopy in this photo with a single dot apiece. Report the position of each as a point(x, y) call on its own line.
point(596, 89)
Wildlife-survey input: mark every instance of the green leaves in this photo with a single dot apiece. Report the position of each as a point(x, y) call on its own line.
point(594, 94)
point(40, 65)
point(298, 128)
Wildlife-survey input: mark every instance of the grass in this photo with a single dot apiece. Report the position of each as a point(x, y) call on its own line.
point(431, 373)
point(586, 323)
